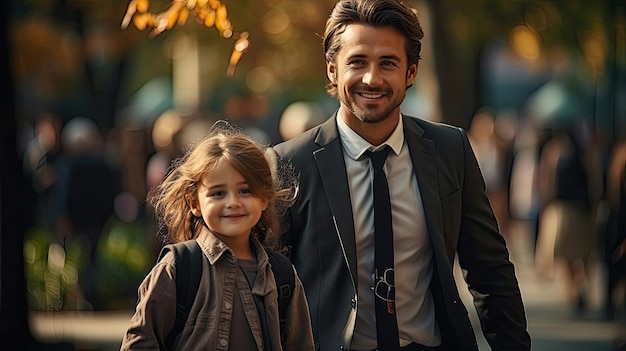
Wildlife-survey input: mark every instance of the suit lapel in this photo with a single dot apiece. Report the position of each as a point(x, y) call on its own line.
point(422, 152)
point(332, 170)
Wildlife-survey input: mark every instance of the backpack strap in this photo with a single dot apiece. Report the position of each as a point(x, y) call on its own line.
point(285, 282)
point(188, 260)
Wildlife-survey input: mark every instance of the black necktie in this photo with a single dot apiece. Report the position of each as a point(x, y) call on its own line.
point(384, 288)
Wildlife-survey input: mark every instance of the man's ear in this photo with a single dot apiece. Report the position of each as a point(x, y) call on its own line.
point(411, 74)
point(331, 72)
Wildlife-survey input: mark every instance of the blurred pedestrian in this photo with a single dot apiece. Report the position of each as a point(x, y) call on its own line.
point(491, 159)
point(615, 235)
point(84, 196)
point(40, 166)
point(567, 238)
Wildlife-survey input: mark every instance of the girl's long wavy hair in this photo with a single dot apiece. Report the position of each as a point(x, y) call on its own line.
point(171, 201)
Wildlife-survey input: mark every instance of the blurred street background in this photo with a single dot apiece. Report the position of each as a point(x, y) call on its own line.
point(101, 96)
point(552, 324)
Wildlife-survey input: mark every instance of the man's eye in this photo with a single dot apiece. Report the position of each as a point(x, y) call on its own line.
point(356, 63)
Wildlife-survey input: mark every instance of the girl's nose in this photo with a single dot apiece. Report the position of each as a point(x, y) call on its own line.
point(233, 201)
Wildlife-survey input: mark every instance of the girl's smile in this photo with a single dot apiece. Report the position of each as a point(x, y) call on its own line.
point(226, 204)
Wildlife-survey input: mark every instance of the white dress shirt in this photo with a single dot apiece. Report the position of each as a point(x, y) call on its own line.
point(415, 310)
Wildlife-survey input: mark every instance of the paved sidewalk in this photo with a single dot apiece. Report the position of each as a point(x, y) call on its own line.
point(553, 326)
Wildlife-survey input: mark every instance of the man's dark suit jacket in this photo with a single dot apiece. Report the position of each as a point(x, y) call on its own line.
point(459, 220)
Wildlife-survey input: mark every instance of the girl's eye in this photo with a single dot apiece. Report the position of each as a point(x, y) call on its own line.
point(217, 194)
point(246, 191)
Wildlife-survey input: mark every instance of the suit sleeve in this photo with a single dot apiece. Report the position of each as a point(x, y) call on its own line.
point(484, 260)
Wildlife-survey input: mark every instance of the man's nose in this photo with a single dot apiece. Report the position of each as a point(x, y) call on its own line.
point(372, 77)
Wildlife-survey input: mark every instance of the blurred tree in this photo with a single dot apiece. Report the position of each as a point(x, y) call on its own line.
point(284, 58)
point(463, 30)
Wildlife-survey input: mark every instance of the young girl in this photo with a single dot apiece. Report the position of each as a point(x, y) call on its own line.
point(221, 194)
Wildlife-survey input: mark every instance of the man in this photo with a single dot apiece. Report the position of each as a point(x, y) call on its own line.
point(438, 201)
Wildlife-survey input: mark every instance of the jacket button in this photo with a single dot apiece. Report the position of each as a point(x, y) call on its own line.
point(223, 342)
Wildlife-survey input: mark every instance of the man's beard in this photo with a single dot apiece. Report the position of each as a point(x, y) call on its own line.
point(372, 116)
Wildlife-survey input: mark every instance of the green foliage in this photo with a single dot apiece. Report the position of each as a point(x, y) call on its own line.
point(123, 259)
point(52, 270)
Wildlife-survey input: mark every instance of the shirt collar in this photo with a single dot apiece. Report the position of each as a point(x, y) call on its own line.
point(354, 145)
point(216, 248)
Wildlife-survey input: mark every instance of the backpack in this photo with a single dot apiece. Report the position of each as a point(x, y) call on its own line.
point(188, 258)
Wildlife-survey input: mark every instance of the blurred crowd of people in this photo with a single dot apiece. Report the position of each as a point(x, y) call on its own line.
point(91, 237)
point(83, 221)
point(92, 240)
point(564, 184)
